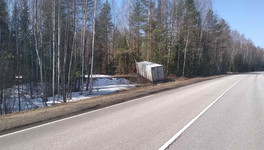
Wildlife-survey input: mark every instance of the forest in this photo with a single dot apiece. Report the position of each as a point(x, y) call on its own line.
point(50, 44)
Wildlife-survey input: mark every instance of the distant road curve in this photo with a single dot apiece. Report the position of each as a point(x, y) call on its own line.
point(235, 121)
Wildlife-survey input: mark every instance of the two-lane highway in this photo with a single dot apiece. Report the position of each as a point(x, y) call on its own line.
point(234, 121)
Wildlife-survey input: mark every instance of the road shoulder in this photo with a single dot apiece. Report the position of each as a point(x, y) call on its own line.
point(17, 121)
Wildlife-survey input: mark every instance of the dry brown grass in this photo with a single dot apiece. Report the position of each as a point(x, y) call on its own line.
point(22, 119)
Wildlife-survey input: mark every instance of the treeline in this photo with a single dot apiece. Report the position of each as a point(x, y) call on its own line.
point(56, 42)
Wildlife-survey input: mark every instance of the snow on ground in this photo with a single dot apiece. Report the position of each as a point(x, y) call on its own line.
point(102, 85)
point(99, 76)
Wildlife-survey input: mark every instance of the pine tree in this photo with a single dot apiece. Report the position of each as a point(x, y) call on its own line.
point(124, 59)
point(5, 55)
point(37, 44)
point(103, 34)
point(159, 54)
point(25, 40)
point(190, 37)
point(53, 48)
point(209, 38)
point(151, 6)
point(4, 31)
point(137, 22)
point(16, 29)
point(223, 47)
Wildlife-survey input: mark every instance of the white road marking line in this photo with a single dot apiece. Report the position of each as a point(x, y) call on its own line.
point(167, 144)
point(75, 116)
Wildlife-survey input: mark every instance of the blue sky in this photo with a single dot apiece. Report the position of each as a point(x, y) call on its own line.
point(246, 16)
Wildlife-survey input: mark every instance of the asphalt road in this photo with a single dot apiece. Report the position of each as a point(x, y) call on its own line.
point(235, 121)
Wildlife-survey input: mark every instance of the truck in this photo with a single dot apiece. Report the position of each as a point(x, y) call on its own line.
point(152, 71)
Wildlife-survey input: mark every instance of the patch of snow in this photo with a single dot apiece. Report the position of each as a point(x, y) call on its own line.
point(99, 76)
point(102, 85)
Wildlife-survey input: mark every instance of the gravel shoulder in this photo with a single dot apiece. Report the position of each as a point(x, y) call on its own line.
point(17, 121)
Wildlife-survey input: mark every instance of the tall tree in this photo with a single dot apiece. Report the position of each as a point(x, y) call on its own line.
point(25, 36)
point(160, 34)
point(5, 55)
point(73, 48)
point(137, 21)
point(37, 38)
point(83, 34)
point(93, 45)
point(151, 6)
point(178, 14)
point(189, 33)
point(16, 29)
point(209, 39)
point(53, 48)
point(103, 35)
point(58, 44)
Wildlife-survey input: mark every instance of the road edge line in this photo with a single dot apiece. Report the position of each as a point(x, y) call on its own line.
point(176, 136)
point(71, 117)
point(92, 111)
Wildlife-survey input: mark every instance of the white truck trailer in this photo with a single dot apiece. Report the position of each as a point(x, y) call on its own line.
point(151, 71)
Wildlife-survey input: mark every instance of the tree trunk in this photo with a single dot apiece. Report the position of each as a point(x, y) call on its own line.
point(53, 46)
point(17, 68)
point(92, 61)
point(83, 42)
point(64, 61)
point(178, 60)
point(36, 30)
point(36, 35)
point(5, 105)
point(185, 53)
point(171, 41)
point(149, 31)
point(1, 100)
point(58, 49)
point(73, 50)
point(114, 32)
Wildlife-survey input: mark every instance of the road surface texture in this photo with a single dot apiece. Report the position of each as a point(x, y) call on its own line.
point(235, 121)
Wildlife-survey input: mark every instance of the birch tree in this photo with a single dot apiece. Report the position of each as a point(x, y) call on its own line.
point(36, 38)
point(73, 48)
point(58, 45)
point(83, 36)
point(53, 48)
point(93, 42)
point(190, 27)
